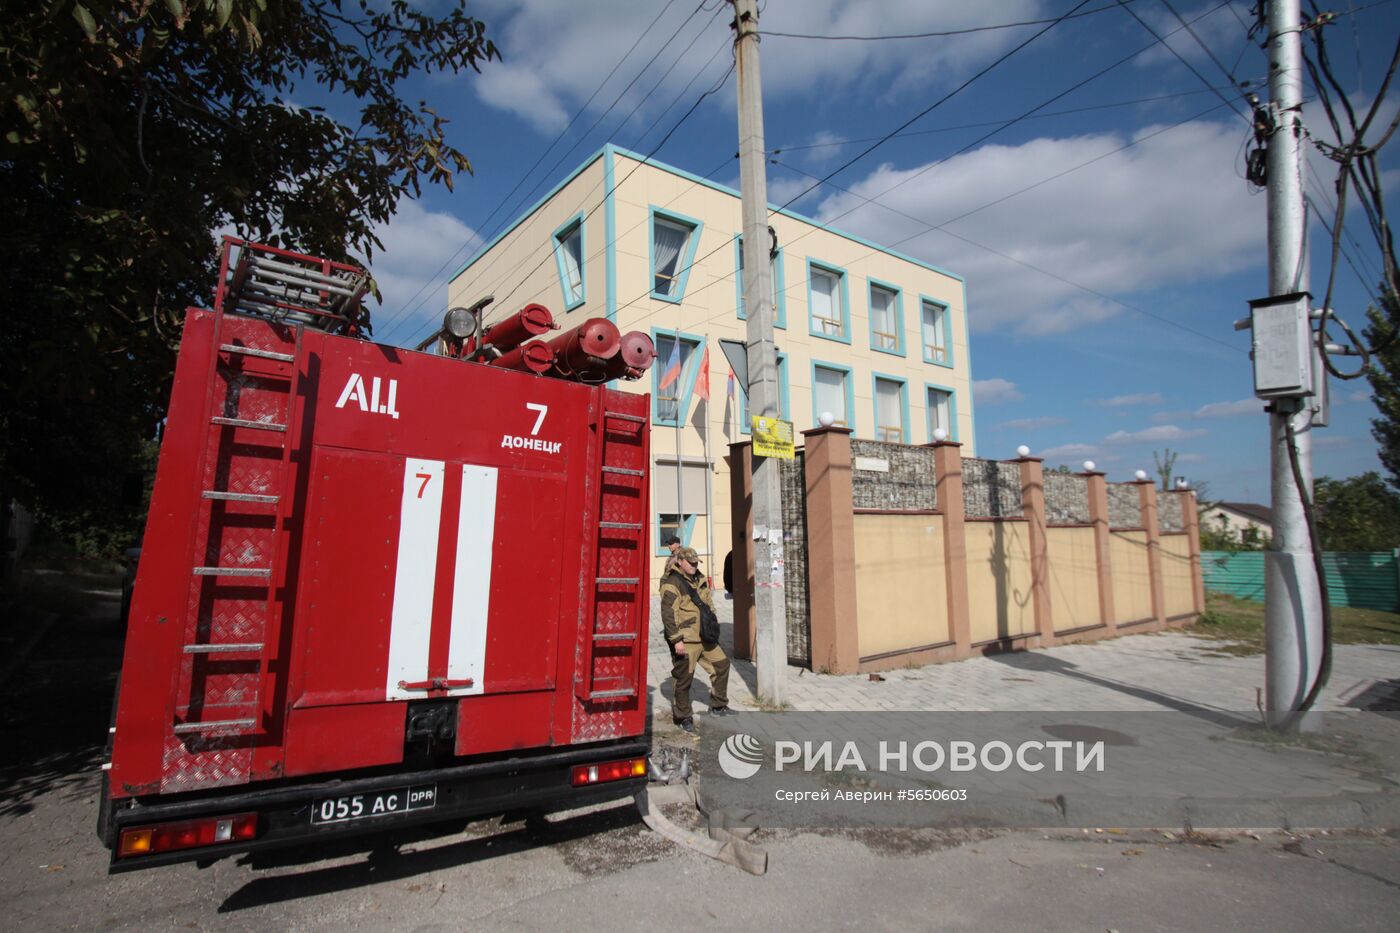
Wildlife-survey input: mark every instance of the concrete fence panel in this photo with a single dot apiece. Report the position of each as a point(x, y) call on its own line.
point(1074, 579)
point(999, 580)
point(1132, 577)
point(899, 585)
point(1176, 576)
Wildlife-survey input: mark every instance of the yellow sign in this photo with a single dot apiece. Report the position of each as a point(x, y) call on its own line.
point(772, 438)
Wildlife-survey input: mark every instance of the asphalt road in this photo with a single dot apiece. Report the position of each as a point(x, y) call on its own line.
point(605, 870)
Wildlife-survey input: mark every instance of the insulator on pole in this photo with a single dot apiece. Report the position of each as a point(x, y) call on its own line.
point(533, 357)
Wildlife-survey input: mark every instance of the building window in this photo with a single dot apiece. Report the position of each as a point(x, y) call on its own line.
point(678, 498)
point(885, 324)
point(673, 242)
point(889, 410)
point(935, 332)
point(826, 290)
point(776, 267)
point(670, 386)
point(568, 255)
point(673, 523)
point(784, 406)
point(940, 412)
point(831, 391)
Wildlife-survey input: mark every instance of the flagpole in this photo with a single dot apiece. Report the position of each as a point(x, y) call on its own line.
point(709, 467)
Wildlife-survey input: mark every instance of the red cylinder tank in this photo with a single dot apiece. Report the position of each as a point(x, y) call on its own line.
point(530, 321)
point(532, 357)
point(581, 352)
point(634, 358)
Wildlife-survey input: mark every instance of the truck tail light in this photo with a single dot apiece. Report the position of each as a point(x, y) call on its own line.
point(608, 771)
point(187, 834)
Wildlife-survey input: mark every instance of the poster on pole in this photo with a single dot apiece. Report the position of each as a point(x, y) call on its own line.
point(772, 437)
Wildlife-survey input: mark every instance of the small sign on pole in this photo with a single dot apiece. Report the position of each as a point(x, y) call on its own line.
point(772, 437)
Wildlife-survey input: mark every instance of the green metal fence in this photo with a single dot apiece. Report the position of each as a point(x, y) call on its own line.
point(1364, 580)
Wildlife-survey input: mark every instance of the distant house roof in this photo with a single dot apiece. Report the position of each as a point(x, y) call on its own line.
point(1250, 510)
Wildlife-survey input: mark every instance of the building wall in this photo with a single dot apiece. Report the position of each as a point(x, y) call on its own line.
point(620, 195)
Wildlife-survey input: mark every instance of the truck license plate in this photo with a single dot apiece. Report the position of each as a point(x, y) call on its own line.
point(379, 803)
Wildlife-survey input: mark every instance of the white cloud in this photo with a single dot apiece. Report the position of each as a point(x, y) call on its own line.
point(1245, 406)
point(1069, 451)
point(1168, 210)
point(1359, 396)
point(1220, 30)
point(1166, 432)
point(417, 245)
point(995, 391)
point(1031, 424)
point(556, 52)
point(1122, 401)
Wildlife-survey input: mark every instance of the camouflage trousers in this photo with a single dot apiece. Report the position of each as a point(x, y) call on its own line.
point(715, 662)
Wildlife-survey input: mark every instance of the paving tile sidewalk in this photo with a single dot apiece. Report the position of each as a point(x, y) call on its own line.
point(1162, 671)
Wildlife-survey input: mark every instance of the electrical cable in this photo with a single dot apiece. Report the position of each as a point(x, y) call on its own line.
point(937, 35)
point(1324, 668)
point(1179, 57)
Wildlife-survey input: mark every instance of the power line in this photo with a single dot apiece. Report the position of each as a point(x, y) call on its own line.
point(937, 35)
point(1230, 75)
point(478, 237)
point(1180, 58)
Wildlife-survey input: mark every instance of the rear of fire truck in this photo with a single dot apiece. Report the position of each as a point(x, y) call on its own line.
point(379, 586)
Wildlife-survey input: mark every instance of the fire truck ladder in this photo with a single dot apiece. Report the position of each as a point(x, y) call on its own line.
point(240, 713)
point(290, 287)
point(618, 636)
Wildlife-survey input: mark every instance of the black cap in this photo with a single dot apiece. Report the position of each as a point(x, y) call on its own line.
point(672, 540)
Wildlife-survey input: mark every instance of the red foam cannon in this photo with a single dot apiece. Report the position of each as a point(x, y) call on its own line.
point(533, 357)
point(530, 321)
point(634, 359)
point(580, 354)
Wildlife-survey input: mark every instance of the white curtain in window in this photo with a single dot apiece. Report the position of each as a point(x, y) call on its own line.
point(933, 330)
point(572, 251)
point(825, 303)
point(831, 394)
point(668, 243)
point(888, 409)
point(938, 412)
point(882, 317)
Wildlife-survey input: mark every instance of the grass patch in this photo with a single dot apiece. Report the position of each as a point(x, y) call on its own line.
point(1238, 624)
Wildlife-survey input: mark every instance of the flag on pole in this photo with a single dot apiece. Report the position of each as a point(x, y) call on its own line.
point(729, 390)
point(672, 372)
point(702, 389)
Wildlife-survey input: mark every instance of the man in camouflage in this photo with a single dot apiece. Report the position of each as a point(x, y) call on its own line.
point(680, 621)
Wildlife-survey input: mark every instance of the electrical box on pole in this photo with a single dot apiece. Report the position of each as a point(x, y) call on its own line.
point(1281, 346)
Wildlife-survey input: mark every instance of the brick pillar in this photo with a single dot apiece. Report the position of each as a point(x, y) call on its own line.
point(1147, 501)
point(947, 465)
point(831, 551)
point(1098, 517)
point(1192, 521)
point(1033, 509)
point(741, 529)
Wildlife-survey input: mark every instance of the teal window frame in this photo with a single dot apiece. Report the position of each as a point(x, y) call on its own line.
point(952, 410)
point(779, 289)
point(784, 400)
point(687, 529)
point(569, 226)
point(690, 369)
point(947, 361)
point(682, 276)
point(843, 291)
point(903, 383)
point(849, 384)
point(870, 285)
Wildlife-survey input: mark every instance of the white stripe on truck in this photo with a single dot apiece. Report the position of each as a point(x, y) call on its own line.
point(471, 584)
point(415, 576)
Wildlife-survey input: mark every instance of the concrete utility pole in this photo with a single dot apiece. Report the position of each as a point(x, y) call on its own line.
point(770, 604)
point(1292, 601)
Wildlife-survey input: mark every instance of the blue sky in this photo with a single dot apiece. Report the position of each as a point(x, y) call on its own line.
point(1108, 240)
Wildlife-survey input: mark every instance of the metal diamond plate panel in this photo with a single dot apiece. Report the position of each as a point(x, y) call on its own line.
point(196, 763)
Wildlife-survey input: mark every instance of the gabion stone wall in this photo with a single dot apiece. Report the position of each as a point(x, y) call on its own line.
point(1066, 499)
point(1124, 507)
point(792, 477)
point(1169, 517)
point(991, 489)
point(908, 485)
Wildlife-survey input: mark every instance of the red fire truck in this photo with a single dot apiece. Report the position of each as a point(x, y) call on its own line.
point(379, 586)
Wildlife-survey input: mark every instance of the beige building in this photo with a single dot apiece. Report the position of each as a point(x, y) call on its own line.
point(877, 338)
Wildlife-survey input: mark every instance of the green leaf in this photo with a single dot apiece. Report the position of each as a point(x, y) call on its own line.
point(223, 10)
point(85, 20)
point(176, 8)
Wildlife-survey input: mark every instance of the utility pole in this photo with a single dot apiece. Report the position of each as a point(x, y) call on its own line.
point(1292, 600)
point(770, 604)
